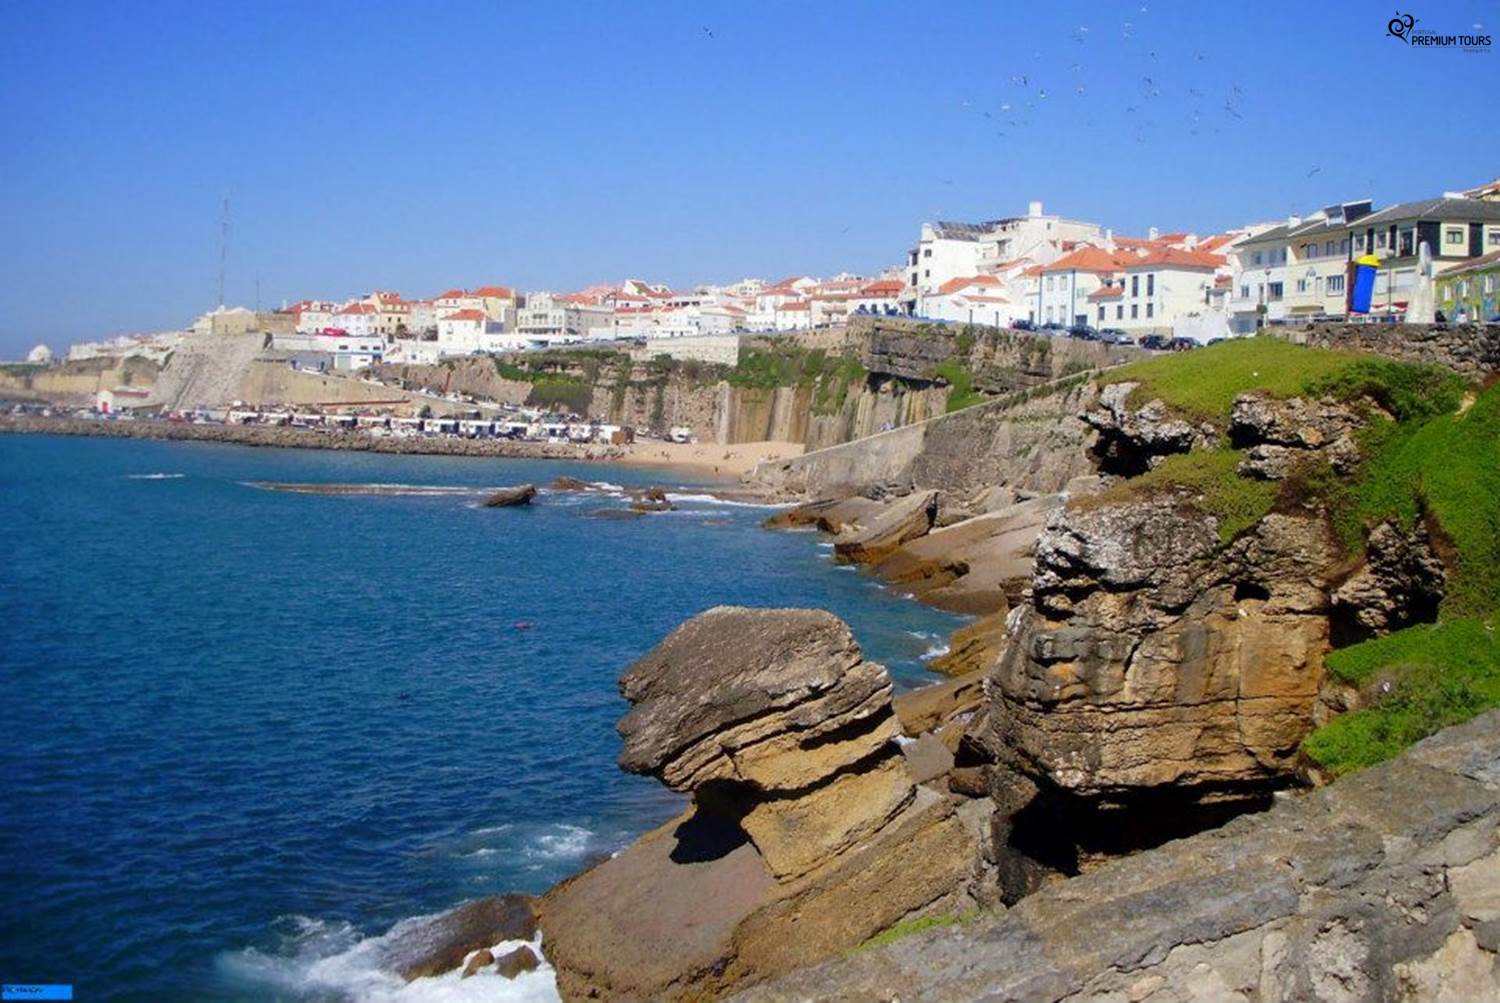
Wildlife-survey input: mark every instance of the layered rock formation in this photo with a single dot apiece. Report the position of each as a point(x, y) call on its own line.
point(804, 814)
point(1402, 581)
point(1384, 886)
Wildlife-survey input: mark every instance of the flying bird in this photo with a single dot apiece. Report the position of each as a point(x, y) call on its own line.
point(1315, 170)
point(707, 32)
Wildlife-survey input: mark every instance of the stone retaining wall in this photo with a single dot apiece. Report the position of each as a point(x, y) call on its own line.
point(1473, 350)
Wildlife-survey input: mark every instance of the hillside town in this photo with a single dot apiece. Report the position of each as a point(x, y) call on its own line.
point(1035, 271)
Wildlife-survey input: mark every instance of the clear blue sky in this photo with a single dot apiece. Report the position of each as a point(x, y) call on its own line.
point(420, 146)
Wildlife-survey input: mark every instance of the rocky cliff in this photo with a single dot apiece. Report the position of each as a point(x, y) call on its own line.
point(1382, 887)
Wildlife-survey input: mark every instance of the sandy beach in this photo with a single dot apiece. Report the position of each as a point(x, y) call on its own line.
point(729, 462)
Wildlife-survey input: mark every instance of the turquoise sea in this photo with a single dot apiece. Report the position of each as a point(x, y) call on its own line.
point(246, 732)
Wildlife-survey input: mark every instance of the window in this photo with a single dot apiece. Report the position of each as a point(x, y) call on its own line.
point(926, 252)
point(1489, 284)
point(1135, 287)
point(1119, 312)
point(1329, 248)
point(1335, 284)
point(1494, 236)
point(927, 273)
point(1151, 284)
point(1274, 291)
point(1101, 312)
point(1134, 311)
point(1344, 246)
point(1244, 292)
point(1255, 258)
point(1049, 282)
point(1380, 239)
point(1359, 243)
point(1302, 285)
point(1452, 237)
point(1150, 309)
point(1309, 250)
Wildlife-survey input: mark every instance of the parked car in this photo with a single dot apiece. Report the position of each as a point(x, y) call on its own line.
point(1022, 325)
point(1083, 332)
point(1115, 336)
point(1181, 344)
point(1053, 325)
point(1155, 342)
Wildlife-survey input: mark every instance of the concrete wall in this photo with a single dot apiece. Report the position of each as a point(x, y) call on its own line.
point(1473, 350)
point(1034, 445)
point(720, 348)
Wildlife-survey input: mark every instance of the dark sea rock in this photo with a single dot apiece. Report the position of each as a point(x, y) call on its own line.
point(440, 944)
point(506, 497)
point(513, 963)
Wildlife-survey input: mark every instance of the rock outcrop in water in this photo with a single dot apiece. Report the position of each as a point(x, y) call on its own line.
point(804, 813)
point(508, 497)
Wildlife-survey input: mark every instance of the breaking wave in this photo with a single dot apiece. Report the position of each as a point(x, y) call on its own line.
point(330, 960)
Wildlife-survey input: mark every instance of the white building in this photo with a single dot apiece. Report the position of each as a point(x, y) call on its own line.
point(977, 299)
point(314, 315)
point(950, 250)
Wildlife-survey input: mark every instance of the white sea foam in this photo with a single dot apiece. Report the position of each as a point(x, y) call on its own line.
point(322, 959)
point(559, 842)
point(716, 500)
point(922, 635)
point(154, 477)
point(936, 651)
point(490, 830)
point(826, 544)
point(606, 486)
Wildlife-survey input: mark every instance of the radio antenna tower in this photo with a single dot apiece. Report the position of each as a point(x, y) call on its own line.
point(223, 248)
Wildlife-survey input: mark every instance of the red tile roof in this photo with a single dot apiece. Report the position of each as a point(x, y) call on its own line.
point(954, 285)
point(883, 287)
point(495, 292)
point(452, 294)
point(354, 308)
point(1171, 257)
point(793, 306)
point(1091, 259)
point(1107, 293)
point(466, 315)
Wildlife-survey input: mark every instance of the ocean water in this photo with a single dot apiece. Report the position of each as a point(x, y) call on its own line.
point(246, 732)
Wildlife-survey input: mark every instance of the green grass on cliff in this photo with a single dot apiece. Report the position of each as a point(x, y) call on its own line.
point(1436, 462)
point(1445, 469)
point(957, 375)
point(1209, 475)
point(1202, 384)
point(1417, 681)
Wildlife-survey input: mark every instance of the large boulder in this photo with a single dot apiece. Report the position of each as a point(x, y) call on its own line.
point(1154, 655)
point(803, 812)
point(774, 698)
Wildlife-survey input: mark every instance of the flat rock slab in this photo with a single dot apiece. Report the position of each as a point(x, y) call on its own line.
point(883, 531)
point(660, 911)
